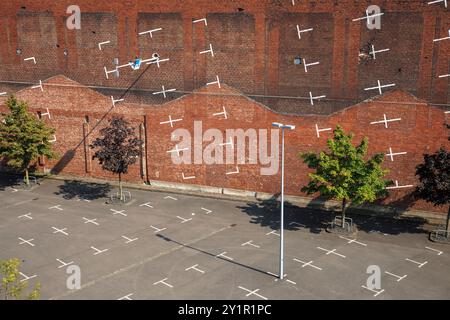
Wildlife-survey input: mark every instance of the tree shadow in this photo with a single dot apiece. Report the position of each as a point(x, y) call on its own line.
point(83, 190)
point(267, 214)
point(315, 218)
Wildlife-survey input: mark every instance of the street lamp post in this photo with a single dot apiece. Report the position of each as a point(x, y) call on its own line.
point(282, 127)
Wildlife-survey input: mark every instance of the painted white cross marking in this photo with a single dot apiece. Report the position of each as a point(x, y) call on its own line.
point(309, 64)
point(385, 121)
point(353, 240)
point(215, 82)
point(331, 251)
point(318, 131)
point(177, 150)
point(28, 216)
point(47, 114)
point(194, 267)
point(391, 154)
point(374, 52)
point(38, 86)
point(373, 290)
point(63, 264)
point(115, 101)
point(438, 252)
point(129, 239)
point(254, 292)
point(118, 212)
point(315, 98)
point(163, 282)
point(304, 264)
point(224, 113)
point(98, 251)
point(397, 186)
point(26, 241)
point(273, 232)
point(250, 243)
point(63, 231)
point(25, 277)
point(206, 210)
point(102, 43)
point(31, 58)
point(127, 297)
point(299, 32)
point(93, 221)
point(170, 121)
point(224, 256)
point(157, 229)
point(147, 204)
point(418, 263)
point(200, 20)
point(438, 1)
point(210, 50)
point(169, 197)
point(187, 177)
point(234, 172)
point(150, 32)
point(379, 87)
point(164, 91)
point(183, 220)
point(399, 278)
point(58, 207)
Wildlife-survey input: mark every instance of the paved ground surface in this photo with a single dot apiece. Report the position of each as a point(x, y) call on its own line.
point(171, 246)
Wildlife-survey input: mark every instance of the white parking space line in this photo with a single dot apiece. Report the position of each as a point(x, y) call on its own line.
point(121, 212)
point(28, 216)
point(438, 252)
point(373, 290)
point(331, 251)
point(163, 282)
point(57, 207)
point(420, 264)
point(207, 210)
point(157, 229)
point(93, 221)
point(399, 278)
point(98, 251)
point(309, 264)
point(353, 240)
point(172, 198)
point(63, 231)
point(224, 256)
point(25, 277)
point(273, 232)
point(250, 243)
point(26, 241)
point(63, 264)
point(127, 297)
point(129, 239)
point(194, 267)
point(254, 292)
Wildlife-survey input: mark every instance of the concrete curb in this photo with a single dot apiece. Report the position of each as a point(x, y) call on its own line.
point(252, 196)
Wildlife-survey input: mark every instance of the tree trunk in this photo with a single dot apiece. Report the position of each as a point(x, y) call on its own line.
point(344, 208)
point(27, 178)
point(120, 187)
point(447, 228)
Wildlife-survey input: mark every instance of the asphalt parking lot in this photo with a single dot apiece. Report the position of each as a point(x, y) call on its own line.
point(173, 246)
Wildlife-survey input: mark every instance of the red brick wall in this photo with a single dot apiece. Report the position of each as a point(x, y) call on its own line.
point(254, 47)
point(420, 131)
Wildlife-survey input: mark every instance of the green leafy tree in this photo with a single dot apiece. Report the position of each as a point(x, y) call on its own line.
point(434, 177)
point(343, 174)
point(23, 137)
point(118, 148)
point(11, 286)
